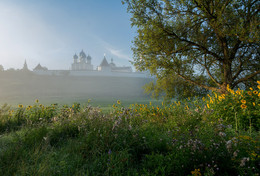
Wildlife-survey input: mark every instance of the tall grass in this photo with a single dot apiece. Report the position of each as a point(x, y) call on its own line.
point(215, 136)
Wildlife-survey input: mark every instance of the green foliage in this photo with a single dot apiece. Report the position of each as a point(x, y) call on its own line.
point(196, 45)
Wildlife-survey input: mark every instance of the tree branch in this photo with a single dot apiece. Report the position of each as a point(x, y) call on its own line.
point(246, 78)
point(196, 83)
point(210, 75)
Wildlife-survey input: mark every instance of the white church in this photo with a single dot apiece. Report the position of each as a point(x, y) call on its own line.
point(82, 66)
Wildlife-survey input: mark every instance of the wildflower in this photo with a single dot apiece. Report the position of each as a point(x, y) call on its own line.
point(243, 161)
point(222, 134)
point(109, 152)
point(249, 93)
point(258, 86)
point(208, 105)
point(118, 102)
point(229, 144)
point(253, 155)
point(258, 82)
point(235, 153)
point(36, 101)
point(243, 101)
point(243, 106)
point(251, 88)
point(196, 172)
point(255, 92)
point(29, 107)
point(20, 106)
point(253, 103)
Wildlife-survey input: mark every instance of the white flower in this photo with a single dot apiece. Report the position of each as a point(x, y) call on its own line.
point(243, 161)
point(229, 144)
point(222, 134)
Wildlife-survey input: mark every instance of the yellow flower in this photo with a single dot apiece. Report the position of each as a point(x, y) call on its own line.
point(253, 103)
point(251, 88)
point(258, 82)
point(118, 102)
point(238, 92)
point(255, 92)
point(29, 107)
point(243, 101)
point(196, 172)
point(258, 86)
point(208, 105)
point(243, 106)
point(249, 93)
point(20, 106)
point(36, 101)
point(228, 89)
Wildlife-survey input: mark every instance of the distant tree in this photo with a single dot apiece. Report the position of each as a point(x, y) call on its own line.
point(197, 45)
point(1, 68)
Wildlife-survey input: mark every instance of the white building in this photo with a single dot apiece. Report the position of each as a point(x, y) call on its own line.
point(82, 62)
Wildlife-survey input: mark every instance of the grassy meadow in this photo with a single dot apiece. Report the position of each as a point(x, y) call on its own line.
point(214, 135)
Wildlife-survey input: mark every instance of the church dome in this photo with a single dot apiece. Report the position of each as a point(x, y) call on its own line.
point(89, 57)
point(82, 54)
point(75, 56)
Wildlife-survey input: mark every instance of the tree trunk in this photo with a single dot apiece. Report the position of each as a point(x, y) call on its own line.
point(227, 76)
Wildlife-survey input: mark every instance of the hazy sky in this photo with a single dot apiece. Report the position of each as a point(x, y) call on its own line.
point(50, 32)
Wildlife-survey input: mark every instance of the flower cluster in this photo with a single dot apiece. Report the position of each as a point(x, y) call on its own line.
point(238, 107)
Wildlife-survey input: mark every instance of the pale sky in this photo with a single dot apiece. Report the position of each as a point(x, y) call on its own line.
point(50, 32)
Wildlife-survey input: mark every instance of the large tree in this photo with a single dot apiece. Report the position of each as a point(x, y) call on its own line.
point(200, 44)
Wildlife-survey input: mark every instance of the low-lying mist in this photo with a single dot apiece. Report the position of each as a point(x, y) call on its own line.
point(19, 87)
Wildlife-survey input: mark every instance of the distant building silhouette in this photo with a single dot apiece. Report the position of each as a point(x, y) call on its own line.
point(40, 68)
point(82, 66)
point(25, 67)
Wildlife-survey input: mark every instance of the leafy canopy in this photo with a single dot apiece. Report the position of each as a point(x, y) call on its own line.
point(196, 44)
